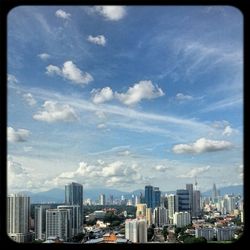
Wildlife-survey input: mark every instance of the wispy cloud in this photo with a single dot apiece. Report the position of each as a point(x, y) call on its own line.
point(194, 172)
point(44, 56)
point(29, 99)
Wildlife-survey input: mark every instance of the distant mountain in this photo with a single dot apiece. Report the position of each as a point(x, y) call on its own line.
point(56, 195)
point(237, 189)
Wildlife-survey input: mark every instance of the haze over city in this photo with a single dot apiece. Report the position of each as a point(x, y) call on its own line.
point(124, 97)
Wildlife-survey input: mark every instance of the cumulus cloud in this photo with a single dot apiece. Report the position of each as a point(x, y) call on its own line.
point(182, 97)
point(54, 112)
point(194, 172)
point(70, 72)
point(227, 131)
point(141, 90)
point(112, 13)
point(99, 40)
point(160, 168)
point(202, 145)
point(103, 95)
point(62, 14)
point(18, 177)
point(114, 169)
point(44, 56)
point(19, 135)
point(12, 79)
point(29, 99)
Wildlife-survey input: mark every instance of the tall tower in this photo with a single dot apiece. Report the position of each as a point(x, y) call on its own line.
point(182, 200)
point(18, 214)
point(171, 205)
point(214, 193)
point(74, 196)
point(189, 187)
point(149, 196)
point(102, 199)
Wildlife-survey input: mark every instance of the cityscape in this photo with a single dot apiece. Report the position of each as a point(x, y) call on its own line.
point(181, 217)
point(125, 124)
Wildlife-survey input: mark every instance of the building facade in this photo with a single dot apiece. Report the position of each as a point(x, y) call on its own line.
point(18, 216)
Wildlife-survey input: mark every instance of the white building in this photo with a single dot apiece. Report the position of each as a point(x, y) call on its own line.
point(182, 219)
point(102, 199)
point(18, 215)
point(136, 230)
point(171, 205)
point(40, 221)
point(208, 233)
point(224, 233)
point(58, 223)
point(160, 216)
point(74, 217)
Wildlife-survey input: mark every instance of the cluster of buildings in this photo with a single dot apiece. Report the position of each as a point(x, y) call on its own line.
point(61, 223)
point(179, 209)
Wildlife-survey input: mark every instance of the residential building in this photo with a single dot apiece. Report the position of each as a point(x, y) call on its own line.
point(182, 219)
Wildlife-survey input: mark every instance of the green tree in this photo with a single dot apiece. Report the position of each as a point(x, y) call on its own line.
point(165, 232)
point(150, 233)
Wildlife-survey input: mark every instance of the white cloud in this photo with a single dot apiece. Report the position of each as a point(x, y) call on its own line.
point(114, 169)
point(54, 112)
point(70, 72)
point(227, 131)
point(44, 56)
point(29, 99)
point(19, 135)
point(194, 172)
point(124, 153)
point(182, 97)
point(12, 79)
point(99, 40)
point(18, 177)
point(160, 168)
point(62, 14)
point(101, 125)
point(202, 145)
point(112, 13)
point(140, 90)
point(103, 95)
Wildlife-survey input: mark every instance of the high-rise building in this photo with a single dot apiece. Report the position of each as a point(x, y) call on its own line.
point(156, 197)
point(182, 200)
point(149, 196)
point(149, 216)
point(74, 196)
point(141, 210)
point(207, 233)
point(58, 223)
point(214, 193)
point(40, 221)
point(74, 217)
point(18, 215)
point(196, 203)
point(171, 205)
point(102, 199)
point(136, 230)
point(225, 233)
point(152, 196)
point(160, 216)
point(182, 219)
point(190, 189)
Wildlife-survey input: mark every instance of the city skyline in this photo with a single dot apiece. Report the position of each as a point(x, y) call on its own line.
point(108, 97)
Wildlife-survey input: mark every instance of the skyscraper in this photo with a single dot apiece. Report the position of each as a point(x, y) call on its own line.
point(74, 196)
point(58, 223)
point(171, 205)
point(152, 196)
point(136, 230)
point(102, 199)
point(18, 215)
point(160, 216)
point(149, 196)
point(74, 217)
point(189, 187)
point(40, 221)
point(196, 203)
point(182, 200)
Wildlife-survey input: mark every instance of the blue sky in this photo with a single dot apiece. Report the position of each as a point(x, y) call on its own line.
point(124, 96)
